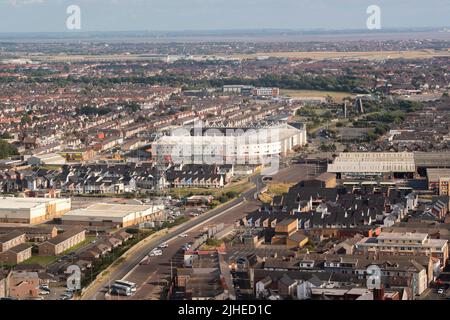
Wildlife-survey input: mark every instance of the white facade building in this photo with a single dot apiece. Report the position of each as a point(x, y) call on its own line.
point(229, 146)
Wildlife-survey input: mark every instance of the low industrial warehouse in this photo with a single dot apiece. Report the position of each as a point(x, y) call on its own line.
point(375, 164)
point(113, 215)
point(32, 210)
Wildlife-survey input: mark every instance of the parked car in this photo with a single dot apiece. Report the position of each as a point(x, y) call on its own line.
point(68, 295)
point(44, 287)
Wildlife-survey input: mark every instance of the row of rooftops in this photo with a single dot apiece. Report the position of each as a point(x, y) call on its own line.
point(324, 262)
point(322, 207)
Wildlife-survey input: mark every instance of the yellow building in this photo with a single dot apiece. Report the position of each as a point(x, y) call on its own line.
point(287, 233)
point(444, 186)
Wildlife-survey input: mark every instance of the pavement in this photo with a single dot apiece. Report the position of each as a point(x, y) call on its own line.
point(150, 275)
point(131, 266)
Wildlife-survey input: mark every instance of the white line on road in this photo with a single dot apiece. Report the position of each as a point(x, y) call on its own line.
point(187, 231)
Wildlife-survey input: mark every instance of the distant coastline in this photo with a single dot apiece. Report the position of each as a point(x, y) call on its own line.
point(257, 35)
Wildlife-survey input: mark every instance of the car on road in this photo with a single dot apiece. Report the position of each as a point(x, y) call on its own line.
point(186, 246)
point(44, 292)
point(155, 252)
point(183, 235)
point(163, 245)
point(441, 291)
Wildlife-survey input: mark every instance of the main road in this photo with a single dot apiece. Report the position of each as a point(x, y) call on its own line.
point(148, 276)
point(98, 289)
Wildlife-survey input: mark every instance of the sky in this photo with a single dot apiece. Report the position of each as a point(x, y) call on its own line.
point(179, 15)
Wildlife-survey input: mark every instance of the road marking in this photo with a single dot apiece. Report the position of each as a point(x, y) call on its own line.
point(187, 231)
point(146, 281)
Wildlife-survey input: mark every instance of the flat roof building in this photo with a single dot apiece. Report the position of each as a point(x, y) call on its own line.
point(46, 159)
point(32, 210)
point(117, 215)
point(438, 179)
point(404, 244)
point(373, 163)
point(432, 159)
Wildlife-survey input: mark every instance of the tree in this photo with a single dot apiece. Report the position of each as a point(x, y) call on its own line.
point(5, 135)
point(25, 119)
point(6, 150)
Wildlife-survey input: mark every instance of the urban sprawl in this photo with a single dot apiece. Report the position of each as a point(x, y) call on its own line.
point(102, 198)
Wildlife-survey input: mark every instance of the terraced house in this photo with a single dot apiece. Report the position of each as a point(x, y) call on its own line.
point(62, 242)
point(13, 249)
point(199, 176)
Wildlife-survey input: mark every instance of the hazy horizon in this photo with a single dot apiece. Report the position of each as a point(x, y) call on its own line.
point(49, 16)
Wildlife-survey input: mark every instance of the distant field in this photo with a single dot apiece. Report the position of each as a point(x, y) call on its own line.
point(369, 55)
point(337, 96)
